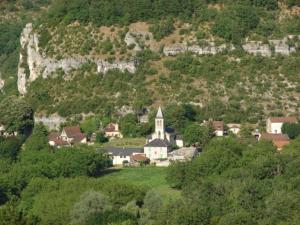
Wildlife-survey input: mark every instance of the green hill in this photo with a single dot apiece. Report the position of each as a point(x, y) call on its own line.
point(218, 55)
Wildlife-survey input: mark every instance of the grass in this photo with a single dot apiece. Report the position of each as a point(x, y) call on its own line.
point(126, 142)
point(150, 177)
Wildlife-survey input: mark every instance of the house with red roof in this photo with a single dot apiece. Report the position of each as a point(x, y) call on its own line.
point(112, 130)
point(67, 137)
point(278, 140)
point(274, 124)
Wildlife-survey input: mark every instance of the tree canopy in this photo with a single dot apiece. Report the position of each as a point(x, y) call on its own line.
point(16, 115)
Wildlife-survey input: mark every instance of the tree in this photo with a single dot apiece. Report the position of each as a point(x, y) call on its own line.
point(16, 115)
point(194, 134)
point(129, 125)
point(291, 129)
point(153, 203)
point(100, 138)
point(90, 125)
point(38, 139)
point(176, 174)
point(10, 147)
point(91, 202)
point(235, 23)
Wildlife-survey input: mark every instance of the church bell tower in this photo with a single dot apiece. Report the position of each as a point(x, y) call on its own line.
point(159, 125)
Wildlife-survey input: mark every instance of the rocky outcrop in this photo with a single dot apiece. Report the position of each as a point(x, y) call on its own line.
point(130, 40)
point(52, 122)
point(104, 66)
point(2, 82)
point(283, 46)
point(208, 47)
point(257, 48)
point(41, 65)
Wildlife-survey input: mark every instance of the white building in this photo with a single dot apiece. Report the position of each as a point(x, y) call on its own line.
point(234, 128)
point(122, 155)
point(157, 149)
point(274, 124)
point(112, 130)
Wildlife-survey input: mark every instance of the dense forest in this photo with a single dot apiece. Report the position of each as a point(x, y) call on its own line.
point(231, 182)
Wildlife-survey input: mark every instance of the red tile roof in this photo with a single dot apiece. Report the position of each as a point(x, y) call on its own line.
point(279, 140)
point(139, 157)
point(75, 133)
point(110, 128)
point(218, 125)
point(55, 137)
point(283, 119)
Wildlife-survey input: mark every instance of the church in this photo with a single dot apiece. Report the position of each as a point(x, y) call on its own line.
point(160, 143)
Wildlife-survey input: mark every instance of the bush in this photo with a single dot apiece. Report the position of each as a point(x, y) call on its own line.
point(236, 22)
point(162, 29)
point(291, 129)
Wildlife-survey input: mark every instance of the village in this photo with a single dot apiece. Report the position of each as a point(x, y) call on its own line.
point(165, 145)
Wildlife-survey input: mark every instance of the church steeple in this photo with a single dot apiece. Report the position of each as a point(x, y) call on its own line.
point(159, 125)
point(159, 113)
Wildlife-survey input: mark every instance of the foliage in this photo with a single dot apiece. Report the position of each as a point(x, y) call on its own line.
point(91, 202)
point(230, 174)
point(9, 37)
point(291, 129)
point(194, 134)
point(90, 125)
point(38, 140)
point(131, 128)
point(101, 138)
point(10, 147)
point(69, 162)
point(162, 29)
point(179, 116)
point(16, 115)
point(236, 23)
point(176, 174)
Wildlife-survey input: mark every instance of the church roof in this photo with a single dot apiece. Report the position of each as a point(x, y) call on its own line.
point(158, 143)
point(119, 151)
point(159, 113)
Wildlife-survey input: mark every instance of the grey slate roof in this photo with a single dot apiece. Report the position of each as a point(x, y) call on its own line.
point(170, 130)
point(119, 151)
point(158, 143)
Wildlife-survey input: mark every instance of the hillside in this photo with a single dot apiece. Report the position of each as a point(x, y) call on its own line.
point(234, 59)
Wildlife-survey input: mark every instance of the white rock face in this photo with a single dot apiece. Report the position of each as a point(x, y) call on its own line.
point(41, 65)
point(104, 66)
point(279, 47)
point(130, 40)
point(52, 122)
point(2, 82)
point(208, 48)
point(257, 48)
point(252, 47)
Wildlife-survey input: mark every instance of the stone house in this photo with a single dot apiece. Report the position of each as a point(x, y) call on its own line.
point(120, 155)
point(67, 137)
point(112, 130)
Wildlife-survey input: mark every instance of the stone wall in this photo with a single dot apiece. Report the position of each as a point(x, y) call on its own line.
point(52, 122)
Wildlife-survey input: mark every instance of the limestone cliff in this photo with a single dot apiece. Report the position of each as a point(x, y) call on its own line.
point(34, 63)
